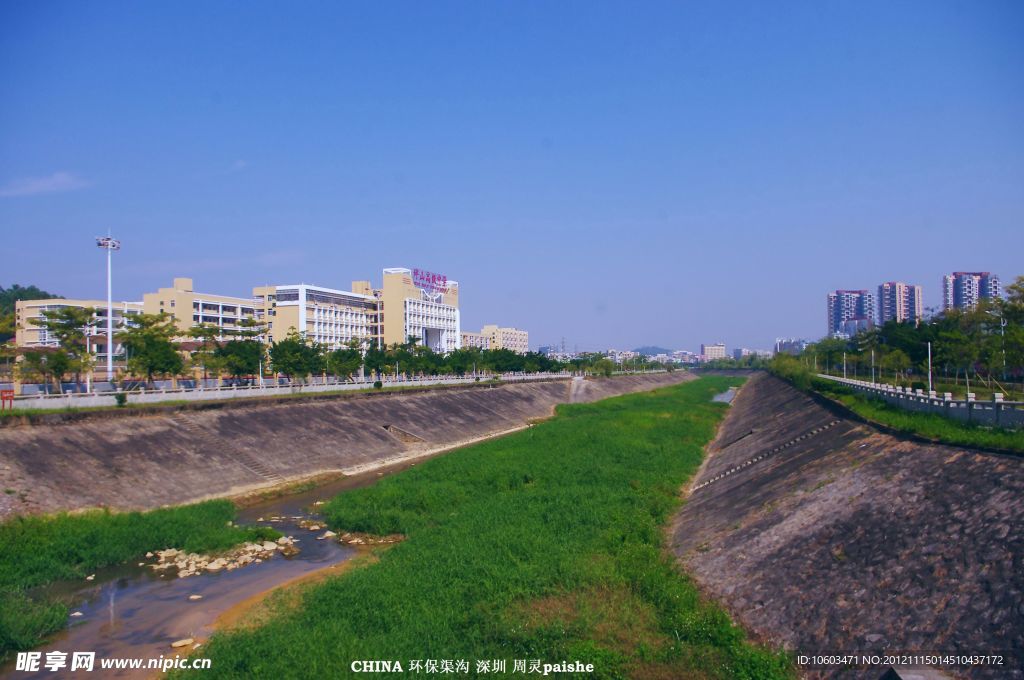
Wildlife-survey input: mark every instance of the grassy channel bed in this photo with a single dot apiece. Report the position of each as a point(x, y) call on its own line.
point(41, 549)
point(546, 544)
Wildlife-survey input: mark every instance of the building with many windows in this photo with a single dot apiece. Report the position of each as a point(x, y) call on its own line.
point(963, 290)
point(850, 311)
point(900, 302)
point(712, 352)
point(189, 308)
point(29, 334)
point(414, 303)
point(470, 339)
point(507, 338)
point(332, 318)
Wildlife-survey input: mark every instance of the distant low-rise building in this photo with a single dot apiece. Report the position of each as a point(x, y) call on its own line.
point(479, 340)
point(712, 352)
point(29, 334)
point(189, 308)
point(332, 318)
point(791, 346)
point(513, 339)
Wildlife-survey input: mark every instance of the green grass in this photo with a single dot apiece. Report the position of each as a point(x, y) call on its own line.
point(930, 425)
point(547, 544)
point(41, 549)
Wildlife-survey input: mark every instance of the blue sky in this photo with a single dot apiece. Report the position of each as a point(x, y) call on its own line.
point(614, 173)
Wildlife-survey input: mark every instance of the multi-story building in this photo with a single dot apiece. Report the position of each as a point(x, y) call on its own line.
point(330, 317)
point(470, 339)
point(507, 338)
point(963, 290)
point(850, 310)
point(900, 302)
point(414, 303)
point(29, 333)
point(189, 308)
point(792, 346)
point(712, 352)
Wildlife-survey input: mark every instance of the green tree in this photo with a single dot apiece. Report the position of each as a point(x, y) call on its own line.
point(604, 367)
point(150, 347)
point(240, 357)
point(208, 335)
point(344, 361)
point(296, 357)
point(69, 325)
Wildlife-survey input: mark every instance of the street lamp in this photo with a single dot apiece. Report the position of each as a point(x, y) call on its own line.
point(110, 245)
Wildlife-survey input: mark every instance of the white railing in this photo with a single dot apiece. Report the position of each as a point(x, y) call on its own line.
point(996, 411)
point(150, 396)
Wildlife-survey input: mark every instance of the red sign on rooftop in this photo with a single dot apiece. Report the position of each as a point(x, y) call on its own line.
point(429, 281)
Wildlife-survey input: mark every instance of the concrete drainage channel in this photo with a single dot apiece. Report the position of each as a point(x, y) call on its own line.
point(841, 537)
point(766, 454)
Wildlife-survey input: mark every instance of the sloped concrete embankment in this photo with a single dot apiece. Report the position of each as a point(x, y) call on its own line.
point(825, 536)
point(175, 456)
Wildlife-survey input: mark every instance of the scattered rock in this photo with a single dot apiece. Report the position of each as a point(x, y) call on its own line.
point(269, 545)
point(76, 613)
point(90, 577)
point(149, 554)
point(195, 597)
point(184, 642)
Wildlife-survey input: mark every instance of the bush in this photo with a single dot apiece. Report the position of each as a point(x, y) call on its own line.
point(121, 398)
point(377, 384)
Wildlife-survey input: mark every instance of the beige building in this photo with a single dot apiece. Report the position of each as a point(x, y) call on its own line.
point(418, 304)
point(28, 333)
point(470, 339)
point(712, 352)
point(330, 317)
point(507, 338)
point(190, 308)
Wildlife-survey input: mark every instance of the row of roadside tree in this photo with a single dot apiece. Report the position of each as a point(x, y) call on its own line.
point(153, 349)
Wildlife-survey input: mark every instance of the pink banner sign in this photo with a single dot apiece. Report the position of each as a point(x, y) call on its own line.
point(429, 281)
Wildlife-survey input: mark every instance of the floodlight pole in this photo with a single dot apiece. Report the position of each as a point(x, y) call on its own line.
point(110, 245)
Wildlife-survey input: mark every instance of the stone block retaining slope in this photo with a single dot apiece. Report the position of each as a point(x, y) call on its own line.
point(172, 457)
point(825, 536)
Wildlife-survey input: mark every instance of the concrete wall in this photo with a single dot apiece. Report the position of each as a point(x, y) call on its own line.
point(826, 536)
point(171, 456)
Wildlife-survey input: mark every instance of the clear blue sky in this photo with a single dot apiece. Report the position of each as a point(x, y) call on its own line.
point(614, 173)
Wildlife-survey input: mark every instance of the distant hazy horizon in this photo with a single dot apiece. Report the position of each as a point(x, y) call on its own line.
point(615, 174)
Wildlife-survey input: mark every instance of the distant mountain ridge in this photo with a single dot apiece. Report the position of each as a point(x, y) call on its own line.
point(651, 350)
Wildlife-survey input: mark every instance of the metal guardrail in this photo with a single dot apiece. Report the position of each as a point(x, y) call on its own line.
point(144, 396)
point(996, 411)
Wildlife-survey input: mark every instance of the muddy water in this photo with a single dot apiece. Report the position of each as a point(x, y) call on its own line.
point(128, 611)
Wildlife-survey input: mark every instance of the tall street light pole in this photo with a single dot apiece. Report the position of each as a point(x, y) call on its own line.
point(110, 245)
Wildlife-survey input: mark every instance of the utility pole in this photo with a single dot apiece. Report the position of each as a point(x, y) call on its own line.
point(929, 367)
point(110, 245)
point(844, 365)
point(872, 365)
